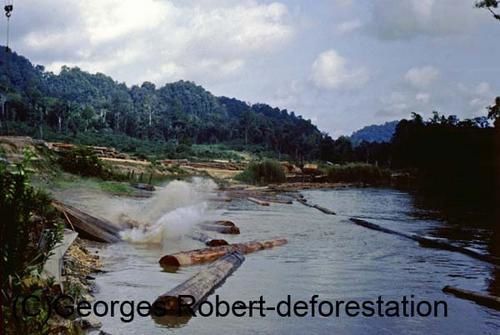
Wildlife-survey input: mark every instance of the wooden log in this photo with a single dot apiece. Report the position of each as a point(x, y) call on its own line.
point(324, 210)
point(429, 242)
point(479, 298)
point(145, 187)
point(226, 223)
point(199, 286)
point(373, 226)
point(198, 256)
point(88, 226)
point(280, 201)
point(318, 207)
point(210, 242)
point(258, 201)
point(220, 229)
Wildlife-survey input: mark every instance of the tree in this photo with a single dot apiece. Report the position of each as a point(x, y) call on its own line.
point(494, 112)
point(489, 5)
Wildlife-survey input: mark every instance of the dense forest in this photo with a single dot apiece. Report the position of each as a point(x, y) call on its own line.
point(75, 104)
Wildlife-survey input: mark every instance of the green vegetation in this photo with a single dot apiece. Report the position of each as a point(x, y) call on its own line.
point(268, 171)
point(116, 188)
point(215, 151)
point(82, 161)
point(29, 229)
point(79, 107)
point(358, 173)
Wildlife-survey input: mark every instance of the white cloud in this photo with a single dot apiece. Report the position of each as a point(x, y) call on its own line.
point(422, 77)
point(423, 97)
point(156, 40)
point(396, 19)
point(331, 71)
point(349, 26)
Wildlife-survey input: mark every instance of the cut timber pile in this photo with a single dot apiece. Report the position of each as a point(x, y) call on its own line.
point(200, 285)
point(311, 169)
point(479, 298)
point(199, 256)
point(88, 226)
point(101, 152)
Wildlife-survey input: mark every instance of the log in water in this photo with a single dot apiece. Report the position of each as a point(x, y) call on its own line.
point(198, 256)
point(88, 226)
point(479, 298)
point(226, 223)
point(199, 286)
point(429, 242)
point(209, 241)
point(220, 228)
point(318, 207)
point(258, 201)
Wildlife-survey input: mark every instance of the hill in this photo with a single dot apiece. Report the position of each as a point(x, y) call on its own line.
point(77, 106)
point(375, 133)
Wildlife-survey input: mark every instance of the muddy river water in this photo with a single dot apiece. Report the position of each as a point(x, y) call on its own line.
point(326, 256)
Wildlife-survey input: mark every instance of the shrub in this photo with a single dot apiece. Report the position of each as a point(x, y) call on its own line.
point(268, 171)
point(29, 229)
point(357, 172)
point(84, 162)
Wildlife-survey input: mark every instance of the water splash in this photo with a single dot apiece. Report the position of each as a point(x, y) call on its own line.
point(170, 214)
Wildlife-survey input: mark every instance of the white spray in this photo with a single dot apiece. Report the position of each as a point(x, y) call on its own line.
point(171, 213)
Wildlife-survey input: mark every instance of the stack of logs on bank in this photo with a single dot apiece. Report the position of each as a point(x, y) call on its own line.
point(224, 257)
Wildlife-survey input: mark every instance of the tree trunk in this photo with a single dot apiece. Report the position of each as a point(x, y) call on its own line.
point(205, 255)
point(258, 201)
point(199, 286)
point(477, 297)
point(429, 242)
point(220, 228)
point(210, 242)
point(88, 226)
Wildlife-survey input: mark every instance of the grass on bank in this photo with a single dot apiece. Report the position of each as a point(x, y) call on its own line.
point(358, 173)
point(265, 172)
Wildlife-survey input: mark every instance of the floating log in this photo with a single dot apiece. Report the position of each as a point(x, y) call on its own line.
point(220, 229)
point(226, 223)
point(226, 199)
point(318, 207)
point(199, 286)
point(205, 255)
point(258, 201)
point(479, 298)
point(88, 226)
point(373, 226)
point(144, 187)
point(210, 242)
point(429, 242)
point(280, 201)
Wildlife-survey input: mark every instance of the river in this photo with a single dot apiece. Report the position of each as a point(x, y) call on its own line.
point(326, 255)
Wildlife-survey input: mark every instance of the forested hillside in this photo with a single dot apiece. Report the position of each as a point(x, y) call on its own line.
point(375, 133)
point(75, 104)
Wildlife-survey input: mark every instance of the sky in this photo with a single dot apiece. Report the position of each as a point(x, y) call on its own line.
point(343, 64)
